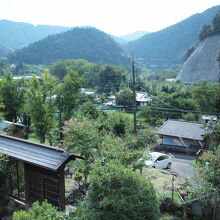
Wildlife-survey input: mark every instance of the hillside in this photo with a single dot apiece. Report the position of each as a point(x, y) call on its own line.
point(167, 47)
point(79, 43)
point(134, 36)
point(3, 50)
point(16, 35)
point(202, 64)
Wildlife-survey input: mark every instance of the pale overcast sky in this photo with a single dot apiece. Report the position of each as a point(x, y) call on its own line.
point(117, 17)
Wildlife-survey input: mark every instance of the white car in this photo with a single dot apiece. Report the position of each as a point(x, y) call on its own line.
point(159, 160)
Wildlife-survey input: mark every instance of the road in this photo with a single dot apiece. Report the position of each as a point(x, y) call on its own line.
point(182, 165)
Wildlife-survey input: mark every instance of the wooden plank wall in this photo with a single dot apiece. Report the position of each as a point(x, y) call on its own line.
point(44, 184)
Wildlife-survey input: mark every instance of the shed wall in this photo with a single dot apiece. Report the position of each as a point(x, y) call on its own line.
point(42, 184)
point(167, 140)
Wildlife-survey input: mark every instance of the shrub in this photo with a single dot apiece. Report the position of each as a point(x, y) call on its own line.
point(118, 193)
point(44, 211)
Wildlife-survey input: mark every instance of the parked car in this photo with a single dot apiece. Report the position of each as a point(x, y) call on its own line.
point(158, 160)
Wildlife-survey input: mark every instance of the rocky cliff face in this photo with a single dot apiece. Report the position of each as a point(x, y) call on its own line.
point(202, 64)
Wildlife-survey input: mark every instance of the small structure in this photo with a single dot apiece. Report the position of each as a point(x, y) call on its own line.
point(14, 129)
point(38, 173)
point(142, 98)
point(183, 136)
point(209, 119)
point(89, 94)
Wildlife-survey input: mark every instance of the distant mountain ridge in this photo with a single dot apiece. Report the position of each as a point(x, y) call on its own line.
point(90, 44)
point(169, 45)
point(134, 36)
point(15, 35)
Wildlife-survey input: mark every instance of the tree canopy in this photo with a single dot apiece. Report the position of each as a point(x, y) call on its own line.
point(119, 193)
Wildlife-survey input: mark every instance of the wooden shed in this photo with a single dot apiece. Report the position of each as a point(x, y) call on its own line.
point(38, 171)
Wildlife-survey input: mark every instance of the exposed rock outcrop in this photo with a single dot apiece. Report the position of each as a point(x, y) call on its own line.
point(202, 64)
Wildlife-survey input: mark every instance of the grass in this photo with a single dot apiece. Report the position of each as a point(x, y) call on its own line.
point(162, 182)
point(33, 137)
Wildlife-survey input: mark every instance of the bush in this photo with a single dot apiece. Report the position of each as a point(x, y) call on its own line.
point(118, 193)
point(44, 211)
point(119, 123)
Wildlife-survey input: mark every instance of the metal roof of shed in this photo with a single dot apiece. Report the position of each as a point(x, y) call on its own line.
point(182, 129)
point(38, 154)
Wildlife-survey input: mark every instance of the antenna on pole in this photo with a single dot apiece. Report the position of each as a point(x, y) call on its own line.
point(134, 93)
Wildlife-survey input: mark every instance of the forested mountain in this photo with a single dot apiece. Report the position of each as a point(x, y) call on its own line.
point(167, 47)
point(134, 36)
point(16, 35)
point(79, 43)
point(3, 50)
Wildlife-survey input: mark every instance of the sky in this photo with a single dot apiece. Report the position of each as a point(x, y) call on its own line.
point(116, 17)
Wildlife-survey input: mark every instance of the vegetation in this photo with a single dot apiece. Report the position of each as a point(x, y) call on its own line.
point(4, 176)
point(54, 108)
point(44, 211)
point(175, 97)
point(125, 98)
point(166, 47)
point(79, 43)
point(40, 104)
point(103, 78)
point(3, 50)
point(211, 29)
point(118, 193)
point(12, 94)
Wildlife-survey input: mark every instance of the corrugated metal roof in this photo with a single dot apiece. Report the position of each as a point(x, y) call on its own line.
point(7, 124)
point(142, 97)
point(183, 129)
point(38, 154)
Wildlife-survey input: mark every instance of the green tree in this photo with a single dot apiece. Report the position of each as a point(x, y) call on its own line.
point(12, 93)
point(40, 104)
point(205, 32)
point(216, 23)
point(59, 70)
point(110, 79)
point(118, 193)
point(119, 123)
point(125, 97)
point(88, 110)
point(82, 138)
point(116, 148)
point(67, 95)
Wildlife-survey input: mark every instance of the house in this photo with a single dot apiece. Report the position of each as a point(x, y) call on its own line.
point(89, 94)
point(142, 98)
point(183, 136)
point(111, 101)
point(209, 119)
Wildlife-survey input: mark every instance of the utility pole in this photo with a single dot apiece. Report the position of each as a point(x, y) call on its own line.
point(134, 95)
